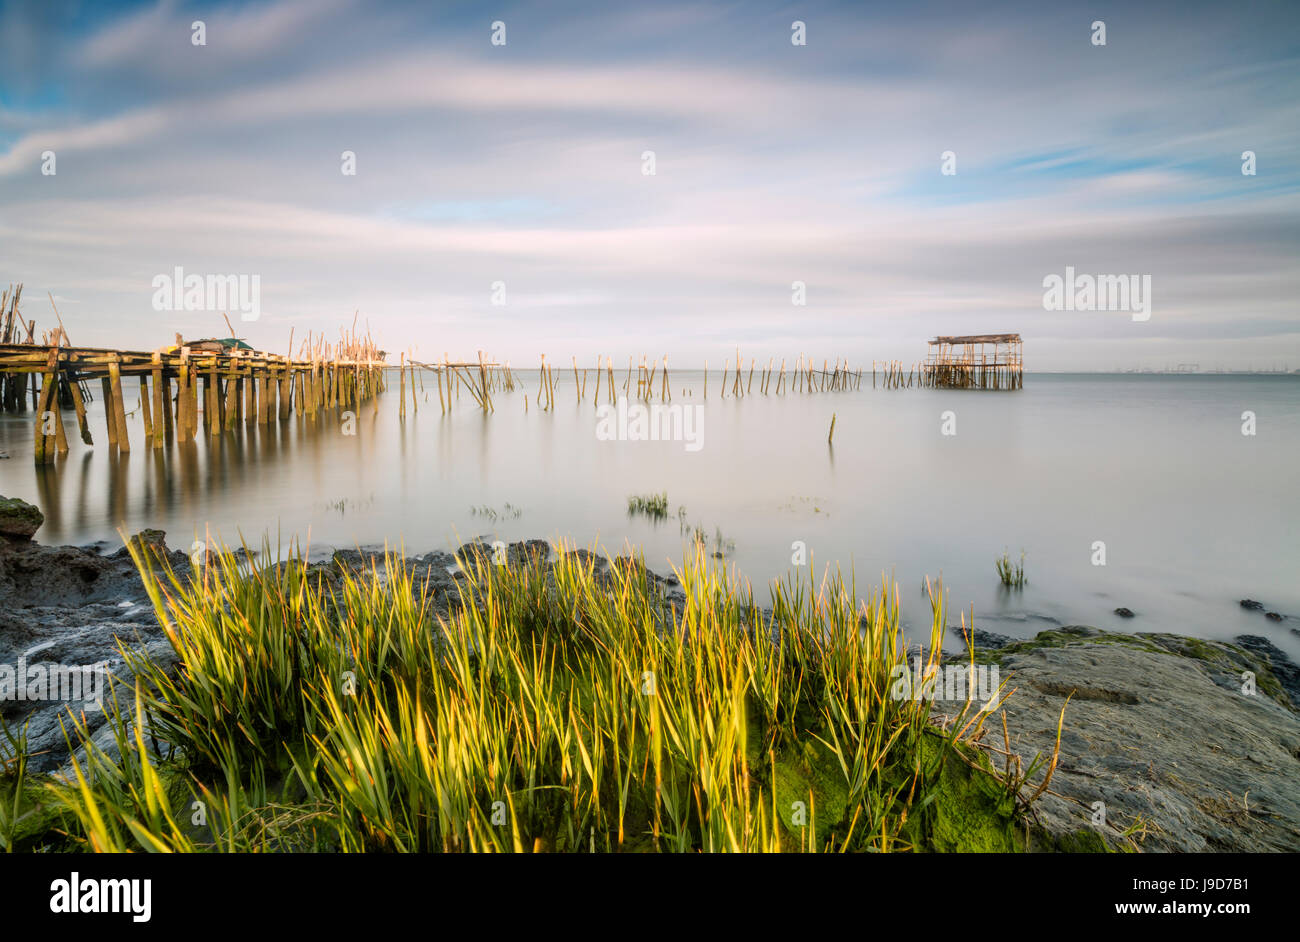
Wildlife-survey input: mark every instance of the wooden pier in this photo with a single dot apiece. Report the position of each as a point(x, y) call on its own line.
point(184, 392)
point(977, 361)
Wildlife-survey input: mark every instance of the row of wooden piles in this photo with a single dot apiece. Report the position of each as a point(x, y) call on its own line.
point(481, 379)
point(648, 378)
point(14, 330)
point(185, 393)
point(895, 374)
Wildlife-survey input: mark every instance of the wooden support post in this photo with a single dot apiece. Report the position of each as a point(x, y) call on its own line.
point(159, 407)
point(168, 422)
point(47, 405)
point(217, 402)
point(110, 420)
point(263, 390)
point(119, 407)
point(206, 380)
point(285, 390)
point(250, 398)
point(79, 404)
point(146, 409)
point(231, 416)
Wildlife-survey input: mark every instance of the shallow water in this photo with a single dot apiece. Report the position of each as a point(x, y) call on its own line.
point(1194, 514)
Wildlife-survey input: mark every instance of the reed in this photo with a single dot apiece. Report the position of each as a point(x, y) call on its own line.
point(654, 506)
point(1011, 574)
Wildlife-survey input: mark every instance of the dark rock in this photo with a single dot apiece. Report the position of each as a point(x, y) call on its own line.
point(1283, 668)
point(535, 551)
point(1274, 616)
point(587, 558)
point(1252, 605)
point(151, 540)
point(19, 520)
point(632, 565)
point(1124, 612)
point(981, 638)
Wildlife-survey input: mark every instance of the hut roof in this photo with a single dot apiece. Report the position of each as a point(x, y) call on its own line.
point(978, 338)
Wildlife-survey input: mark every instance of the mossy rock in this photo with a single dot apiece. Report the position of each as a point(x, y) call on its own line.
point(1082, 841)
point(969, 810)
point(19, 520)
point(810, 792)
point(32, 821)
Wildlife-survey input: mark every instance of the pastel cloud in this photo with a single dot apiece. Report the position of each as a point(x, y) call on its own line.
point(523, 164)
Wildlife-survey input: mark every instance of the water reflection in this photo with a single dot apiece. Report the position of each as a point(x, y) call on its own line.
point(82, 491)
point(1195, 516)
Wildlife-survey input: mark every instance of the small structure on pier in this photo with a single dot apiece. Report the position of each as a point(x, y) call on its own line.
point(210, 345)
point(975, 361)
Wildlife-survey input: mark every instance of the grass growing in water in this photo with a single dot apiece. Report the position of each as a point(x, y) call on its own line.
point(1012, 575)
point(509, 512)
point(557, 706)
point(654, 506)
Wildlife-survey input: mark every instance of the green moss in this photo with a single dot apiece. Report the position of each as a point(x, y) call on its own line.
point(33, 821)
point(1064, 637)
point(971, 812)
point(808, 782)
point(1082, 841)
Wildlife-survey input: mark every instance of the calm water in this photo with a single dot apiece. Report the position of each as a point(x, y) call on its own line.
point(1194, 514)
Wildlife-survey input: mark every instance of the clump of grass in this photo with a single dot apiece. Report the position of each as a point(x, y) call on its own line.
point(342, 504)
point(721, 545)
point(13, 773)
point(654, 506)
point(1012, 574)
point(508, 512)
point(556, 706)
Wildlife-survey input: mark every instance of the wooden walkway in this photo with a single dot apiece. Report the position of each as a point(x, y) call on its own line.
point(182, 392)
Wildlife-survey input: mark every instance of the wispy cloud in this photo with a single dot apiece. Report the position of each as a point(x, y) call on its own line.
point(774, 163)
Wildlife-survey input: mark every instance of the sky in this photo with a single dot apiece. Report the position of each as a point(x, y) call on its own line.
point(515, 172)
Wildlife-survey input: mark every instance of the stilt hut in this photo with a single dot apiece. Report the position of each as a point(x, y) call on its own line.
point(977, 361)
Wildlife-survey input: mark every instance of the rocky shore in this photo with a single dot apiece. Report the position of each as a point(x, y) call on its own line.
point(1170, 743)
point(1167, 744)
